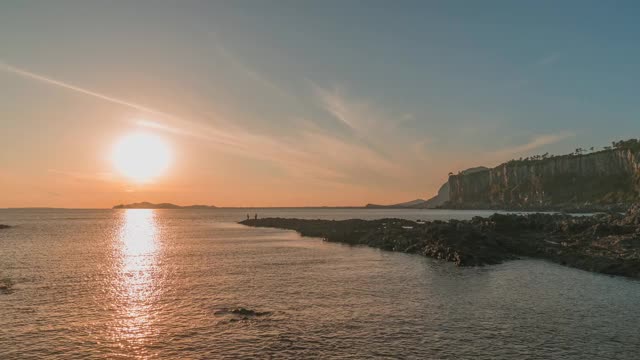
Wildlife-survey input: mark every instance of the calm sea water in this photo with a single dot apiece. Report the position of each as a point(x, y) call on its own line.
point(156, 284)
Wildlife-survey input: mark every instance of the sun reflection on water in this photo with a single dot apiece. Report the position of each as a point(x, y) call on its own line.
point(138, 279)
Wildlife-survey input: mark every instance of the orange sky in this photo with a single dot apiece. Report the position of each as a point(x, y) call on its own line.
point(215, 160)
point(66, 160)
point(289, 106)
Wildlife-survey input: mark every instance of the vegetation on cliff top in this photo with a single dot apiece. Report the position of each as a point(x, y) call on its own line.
point(631, 144)
point(603, 180)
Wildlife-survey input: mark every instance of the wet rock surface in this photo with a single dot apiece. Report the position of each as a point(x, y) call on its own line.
point(2, 226)
point(604, 243)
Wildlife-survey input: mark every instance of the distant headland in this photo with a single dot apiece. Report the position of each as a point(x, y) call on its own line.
point(148, 205)
point(586, 180)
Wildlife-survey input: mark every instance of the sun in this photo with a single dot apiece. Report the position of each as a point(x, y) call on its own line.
point(141, 157)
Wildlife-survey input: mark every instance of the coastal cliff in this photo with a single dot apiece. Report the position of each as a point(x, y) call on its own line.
point(608, 179)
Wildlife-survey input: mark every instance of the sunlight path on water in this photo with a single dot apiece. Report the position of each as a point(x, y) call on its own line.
point(137, 284)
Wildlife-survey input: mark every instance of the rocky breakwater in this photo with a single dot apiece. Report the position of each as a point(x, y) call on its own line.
point(606, 243)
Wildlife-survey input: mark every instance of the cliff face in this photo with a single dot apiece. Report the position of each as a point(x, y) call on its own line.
point(441, 197)
point(443, 193)
point(604, 178)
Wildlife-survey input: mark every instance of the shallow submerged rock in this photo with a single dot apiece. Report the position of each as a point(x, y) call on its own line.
point(241, 313)
point(6, 286)
point(605, 243)
point(2, 226)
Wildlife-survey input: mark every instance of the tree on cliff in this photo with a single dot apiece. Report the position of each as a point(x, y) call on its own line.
point(632, 144)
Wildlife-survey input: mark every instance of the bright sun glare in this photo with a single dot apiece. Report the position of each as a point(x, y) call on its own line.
point(141, 156)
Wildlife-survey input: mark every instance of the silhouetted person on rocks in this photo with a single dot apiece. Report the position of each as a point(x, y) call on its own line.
point(247, 216)
point(255, 216)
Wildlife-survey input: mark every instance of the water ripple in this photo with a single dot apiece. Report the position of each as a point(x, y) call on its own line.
point(143, 284)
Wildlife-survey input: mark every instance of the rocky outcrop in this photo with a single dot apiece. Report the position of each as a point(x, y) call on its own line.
point(608, 179)
point(241, 312)
point(608, 244)
point(2, 226)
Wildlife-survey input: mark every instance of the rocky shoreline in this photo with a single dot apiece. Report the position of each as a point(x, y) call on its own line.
point(562, 208)
point(603, 243)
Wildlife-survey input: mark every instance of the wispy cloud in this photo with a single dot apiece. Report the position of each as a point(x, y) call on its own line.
point(199, 130)
point(334, 104)
point(372, 154)
point(83, 176)
point(534, 143)
point(531, 71)
point(65, 85)
point(236, 61)
point(392, 147)
point(549, 59)
point(362, 117)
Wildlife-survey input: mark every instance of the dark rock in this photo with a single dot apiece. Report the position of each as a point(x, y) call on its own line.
point(242, 312)
point(2, 226)
point(605, 243)
point(633, 216)
point(6, 286)
point(247, 312)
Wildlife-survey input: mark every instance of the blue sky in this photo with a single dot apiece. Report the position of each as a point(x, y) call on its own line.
point(373, 100)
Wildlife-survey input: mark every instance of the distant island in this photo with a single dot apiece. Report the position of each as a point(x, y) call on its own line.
point(413, 204)
point(148, 205)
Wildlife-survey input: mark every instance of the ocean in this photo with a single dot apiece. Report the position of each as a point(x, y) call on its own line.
point(163, 284)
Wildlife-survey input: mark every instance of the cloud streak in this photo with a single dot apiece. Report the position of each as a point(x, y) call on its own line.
point(534, 143)
point(48, 80)
point(207, 133)
point(549, 59)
